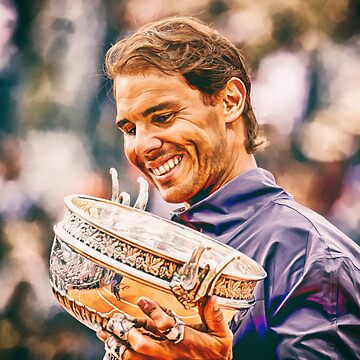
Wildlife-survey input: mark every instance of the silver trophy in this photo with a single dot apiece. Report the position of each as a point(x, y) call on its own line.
point(106, 254)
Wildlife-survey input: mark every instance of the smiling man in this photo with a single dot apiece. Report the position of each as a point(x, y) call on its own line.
point(183, 104)
point(184, 146)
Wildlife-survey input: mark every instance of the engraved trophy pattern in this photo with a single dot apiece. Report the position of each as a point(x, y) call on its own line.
point(106, 254)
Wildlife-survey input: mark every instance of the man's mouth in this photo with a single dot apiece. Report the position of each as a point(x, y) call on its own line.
point(167, 166)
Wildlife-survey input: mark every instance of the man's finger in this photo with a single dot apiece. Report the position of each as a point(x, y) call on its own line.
point(161, 319)
point(102, 335)
point(148, 324)
point(124, 352)
point(145, 345)
point(214, 318)
point(120, 325)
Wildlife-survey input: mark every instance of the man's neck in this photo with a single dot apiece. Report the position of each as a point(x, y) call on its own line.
point(244, 163)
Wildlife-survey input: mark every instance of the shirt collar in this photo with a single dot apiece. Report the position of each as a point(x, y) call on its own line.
point(232, 204)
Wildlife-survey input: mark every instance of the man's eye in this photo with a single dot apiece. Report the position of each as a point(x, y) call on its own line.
point(129, 130)
point(163, 118)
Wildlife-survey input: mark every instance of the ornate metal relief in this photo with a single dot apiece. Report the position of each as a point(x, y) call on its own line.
point(150, 263)
point(80, 311)
point(116, 249)
point(228, 288)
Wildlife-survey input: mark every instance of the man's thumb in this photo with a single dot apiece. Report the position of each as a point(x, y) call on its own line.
point(214, 317)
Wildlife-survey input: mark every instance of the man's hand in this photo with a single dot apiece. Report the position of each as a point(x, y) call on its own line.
point(212, 340)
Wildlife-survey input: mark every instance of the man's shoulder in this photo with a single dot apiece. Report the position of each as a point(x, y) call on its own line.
point(296, 225)
point(290, 227)
point(293, 214)
point(284, 221)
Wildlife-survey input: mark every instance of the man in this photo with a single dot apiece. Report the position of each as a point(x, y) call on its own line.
point(183, 104)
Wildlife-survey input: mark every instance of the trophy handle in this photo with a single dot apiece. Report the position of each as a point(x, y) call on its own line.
point(189, 286)
point(114, 185)
point(124, 198)
point(208, 285)
point(143, 197)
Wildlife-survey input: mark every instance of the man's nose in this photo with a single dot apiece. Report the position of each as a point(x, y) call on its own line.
point(146, 141)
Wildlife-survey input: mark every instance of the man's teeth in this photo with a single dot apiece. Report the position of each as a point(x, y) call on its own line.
point(170, 164)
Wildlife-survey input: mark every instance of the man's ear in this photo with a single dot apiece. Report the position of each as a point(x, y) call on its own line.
point(234, 96)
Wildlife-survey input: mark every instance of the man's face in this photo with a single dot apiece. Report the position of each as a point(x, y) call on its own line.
point(170, 135)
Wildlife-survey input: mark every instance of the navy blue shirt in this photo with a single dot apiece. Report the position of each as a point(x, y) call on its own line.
point(308, 307)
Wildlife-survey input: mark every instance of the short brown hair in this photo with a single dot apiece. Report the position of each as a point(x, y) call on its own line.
point(186, 46)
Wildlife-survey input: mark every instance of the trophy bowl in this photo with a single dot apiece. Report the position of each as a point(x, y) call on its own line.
point(106, 254)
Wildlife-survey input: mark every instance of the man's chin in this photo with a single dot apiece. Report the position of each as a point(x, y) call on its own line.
point(174, 195)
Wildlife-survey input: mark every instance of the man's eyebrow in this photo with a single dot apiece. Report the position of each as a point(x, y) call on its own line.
point(120, 123)
point(150, 110)
point(159, 107)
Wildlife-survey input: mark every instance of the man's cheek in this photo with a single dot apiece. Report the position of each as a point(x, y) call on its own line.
point(130, 153)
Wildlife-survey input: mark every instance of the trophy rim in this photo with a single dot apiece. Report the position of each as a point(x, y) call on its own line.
point(77, 211)
point(135, 274)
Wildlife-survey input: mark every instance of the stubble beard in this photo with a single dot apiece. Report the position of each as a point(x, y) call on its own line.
point(201, 184)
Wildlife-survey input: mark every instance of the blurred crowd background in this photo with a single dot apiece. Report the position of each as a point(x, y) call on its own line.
point(57, 133)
